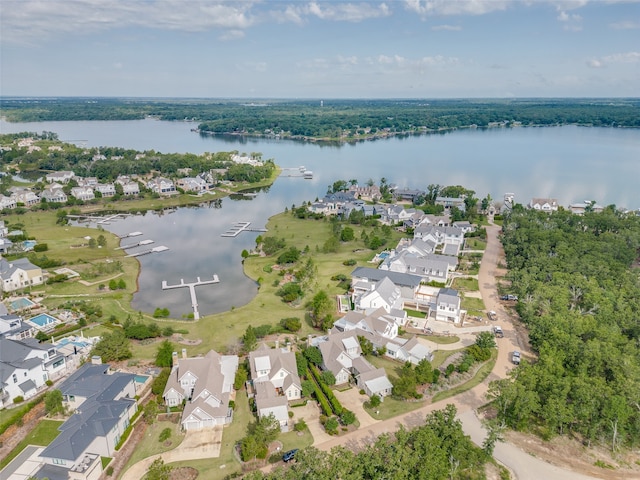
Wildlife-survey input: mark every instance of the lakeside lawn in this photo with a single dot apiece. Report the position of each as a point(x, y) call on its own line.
point(42, 435)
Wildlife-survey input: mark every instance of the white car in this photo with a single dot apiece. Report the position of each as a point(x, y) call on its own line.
point(516, 358)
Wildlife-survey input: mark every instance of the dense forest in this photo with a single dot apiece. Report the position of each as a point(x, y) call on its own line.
point(343, 120)
point(578, 280)
point(106, 163)
point(437, 450)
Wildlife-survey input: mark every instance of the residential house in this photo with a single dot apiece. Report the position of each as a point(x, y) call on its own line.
point(83, 193)
point(544, 204)
point(274, 377)
point(363, 277)
point(19, 273)
point(204, 384)
point(7, 202)
point(13, 328)
point(5, 245)
point(193, 184)
point(162, 186)
point(408, 194)
point(408, 350)
point(448, 202)
point(87, 181)
point(106, 189)
point(581, 208)
point(383, 294)
point(25, 367)
point(378, 322)
point(59, 177)
point(103, 403)
point(323, 208)
point(431, 267)
point(54, 193)
point(369, 193)
point(25, 197)
point(447, 308)
point(342, 356)
point(465, 226)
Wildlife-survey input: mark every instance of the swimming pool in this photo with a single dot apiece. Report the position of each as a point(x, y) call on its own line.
point(44, 320)
point(29, 244)
point(20, 303)
point(141, 378)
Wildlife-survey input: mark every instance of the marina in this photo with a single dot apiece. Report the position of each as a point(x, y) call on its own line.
point(192, 291)
point(240, 227)
point(159, 249)
point(300, 171)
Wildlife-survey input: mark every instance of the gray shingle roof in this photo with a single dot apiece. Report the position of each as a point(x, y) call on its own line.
point(373, 274)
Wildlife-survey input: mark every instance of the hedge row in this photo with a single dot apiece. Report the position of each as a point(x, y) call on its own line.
point(128, 430)
point(336, 406)
point(322, 400)
point(18, 413)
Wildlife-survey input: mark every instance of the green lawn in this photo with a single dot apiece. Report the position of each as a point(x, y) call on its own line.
point(392, 408)
point(415, 313)
point(442, 339)
point(439, 356)
point(466, 284)
point(152, 445)
point(42, 435)
point(475, 243)
point(473, 306)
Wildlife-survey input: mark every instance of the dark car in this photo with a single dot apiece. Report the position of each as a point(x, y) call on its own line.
point(504, 297)
point(290, 455)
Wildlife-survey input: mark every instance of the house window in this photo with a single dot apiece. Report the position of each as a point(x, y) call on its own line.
point(59, 461)
point(15, 378)
point(25, 374)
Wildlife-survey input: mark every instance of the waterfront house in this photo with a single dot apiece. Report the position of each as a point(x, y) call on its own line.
point(25, 197)
point(54, 193)
point(106, 189)
point(60, 177)
point(7, 202)
point(83, 193)
point(19, 273)
point(87, 181)
point(448, 202)
point(581, 208)
point(162, 186)
point(192, 184)
point(369, 193)
point(204, 384)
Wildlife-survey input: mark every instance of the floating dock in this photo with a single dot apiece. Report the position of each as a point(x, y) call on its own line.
point(240, 227)
point(300, 171)
point(159, 249)
point(133, 245)
point(192, 291)
point(132, 234)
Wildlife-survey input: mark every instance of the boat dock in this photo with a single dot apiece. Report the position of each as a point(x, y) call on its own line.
point(100, 220)
point(240, 227)
point(159, 249)
point(300, 171)
point(133, 245)
point(132, 234)
point(192, 291)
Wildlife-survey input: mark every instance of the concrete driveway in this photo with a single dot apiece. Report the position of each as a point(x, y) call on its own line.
point(352, 400)
point(196, 445)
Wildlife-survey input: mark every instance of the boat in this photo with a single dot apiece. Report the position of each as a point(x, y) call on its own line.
point(307, 174)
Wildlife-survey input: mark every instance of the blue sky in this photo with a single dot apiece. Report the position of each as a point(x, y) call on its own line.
point(321, 49)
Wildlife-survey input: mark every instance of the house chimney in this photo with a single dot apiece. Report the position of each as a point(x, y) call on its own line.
point(184, 353)
point(308, 340)
point(96, 360)
point(277, 344)
point(328, 332)
point(174, 358)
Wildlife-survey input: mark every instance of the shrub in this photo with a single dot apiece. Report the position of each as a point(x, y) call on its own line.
point(300, 426)
point(109, 471)
point(331, 426)
point(347, 417)
point(49, 383)
point(165, 434)
point(349, 263)
point(40, 247)
point(291, 324)
point(290, 414)
point(18, 399)
point(374, 401)
point(232, 404)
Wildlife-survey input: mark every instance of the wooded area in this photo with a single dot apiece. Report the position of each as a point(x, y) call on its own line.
point(578, 281)
point(343, 120)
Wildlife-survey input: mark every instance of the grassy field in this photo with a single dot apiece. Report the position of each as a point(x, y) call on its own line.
point(44, 433)
point(475, 243)
point(152, 445)
point(473, 306)
point(465, 284)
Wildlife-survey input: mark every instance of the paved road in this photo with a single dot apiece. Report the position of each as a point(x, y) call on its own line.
point(523, 465)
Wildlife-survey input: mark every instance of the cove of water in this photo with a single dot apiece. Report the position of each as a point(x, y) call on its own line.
point(568, 163)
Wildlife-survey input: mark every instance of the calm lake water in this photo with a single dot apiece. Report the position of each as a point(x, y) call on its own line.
point(568, 163)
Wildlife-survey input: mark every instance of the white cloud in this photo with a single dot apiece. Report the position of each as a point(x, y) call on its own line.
point(455, 7)
point(625, 25)
point(627, 57)
point(418, 63)
point(348, 12)
point(33, 20)
point(232, 35)
point(572, 22)
point(451, 28)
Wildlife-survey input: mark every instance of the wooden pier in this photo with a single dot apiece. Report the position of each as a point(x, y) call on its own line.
point(100, 220)
point(240, 227)
point(192, 291)
point(132, 234)
point(133, 245)
point(159, 249)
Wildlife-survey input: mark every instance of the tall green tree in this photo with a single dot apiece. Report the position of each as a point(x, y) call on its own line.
point(164, 354)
